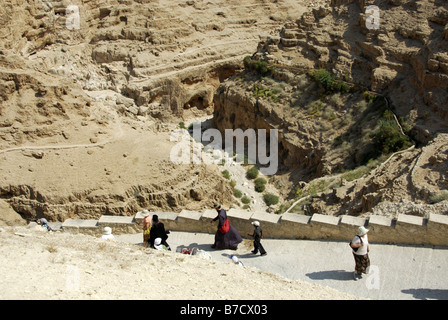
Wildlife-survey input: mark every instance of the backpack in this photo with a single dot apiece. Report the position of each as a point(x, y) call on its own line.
point(225, 227)
point(350, 244)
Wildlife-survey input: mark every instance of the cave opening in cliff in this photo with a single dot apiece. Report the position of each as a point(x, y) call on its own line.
point(197, 102)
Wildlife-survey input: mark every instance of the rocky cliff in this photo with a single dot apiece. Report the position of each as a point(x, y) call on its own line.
point(90, 90)
point(333, 83)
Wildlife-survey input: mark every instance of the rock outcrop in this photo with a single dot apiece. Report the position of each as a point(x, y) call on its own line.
point(404, 58)
point(81, 82)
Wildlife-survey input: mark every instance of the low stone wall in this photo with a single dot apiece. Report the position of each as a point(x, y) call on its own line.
point(405, 229)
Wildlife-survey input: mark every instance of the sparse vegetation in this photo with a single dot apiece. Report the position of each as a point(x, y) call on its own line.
point(260, 67)
point(252, 173)
point(328, 81)
point(245, 199)
point(226, 174)
point(261, 92)
point(270, 199)
point(237, 193)
point(260, 184)
point(388, 137)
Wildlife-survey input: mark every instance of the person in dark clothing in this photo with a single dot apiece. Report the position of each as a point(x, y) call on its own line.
point(158, 231)
point(226, 237)
point(44, 224)
point(258, 235)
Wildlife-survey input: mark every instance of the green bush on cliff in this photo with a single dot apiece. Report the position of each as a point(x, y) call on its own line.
point(388, 137)
point(252, 173)
point(260, 67)
point(328, 81)
point(260, 184)
point(270, 199)
point(261, 92)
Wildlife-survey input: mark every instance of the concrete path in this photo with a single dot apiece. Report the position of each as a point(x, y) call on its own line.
point(398, 272)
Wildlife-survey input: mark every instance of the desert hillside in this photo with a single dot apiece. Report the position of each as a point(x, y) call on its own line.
point(92, 92)
point(90, 97)
point(361, 112)
point(64, 266)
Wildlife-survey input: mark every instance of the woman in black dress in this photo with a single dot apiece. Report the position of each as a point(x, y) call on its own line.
point(226, 236)
point(158, 231)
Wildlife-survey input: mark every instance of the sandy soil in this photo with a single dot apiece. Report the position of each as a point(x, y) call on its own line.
point(58, 265)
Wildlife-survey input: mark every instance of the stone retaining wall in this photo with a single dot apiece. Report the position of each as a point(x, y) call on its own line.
point(405, 229)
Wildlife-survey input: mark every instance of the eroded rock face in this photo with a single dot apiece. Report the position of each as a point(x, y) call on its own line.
point(84, 81)
point(167, 57)
point(78, 80)
point(403, 60)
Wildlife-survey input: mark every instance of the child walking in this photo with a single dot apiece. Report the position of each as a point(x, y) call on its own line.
point(258, 235)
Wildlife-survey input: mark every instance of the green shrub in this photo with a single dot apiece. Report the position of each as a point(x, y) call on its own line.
point(328, 81)
point(245, 200)
point(323, 77)
point(252, 173)
point(260, 67)
point(226, 174)
point(388, 137)
point(340, 86)
point(260, 184)
point(270, 199)
point(237, 193)
point(261, 92)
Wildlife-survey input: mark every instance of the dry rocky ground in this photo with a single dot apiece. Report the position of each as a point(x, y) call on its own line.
point(46, 266)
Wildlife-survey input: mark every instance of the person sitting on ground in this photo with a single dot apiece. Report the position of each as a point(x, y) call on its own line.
point(158, 231)
point(158, 245)
point(44, 224)
point(107, 234)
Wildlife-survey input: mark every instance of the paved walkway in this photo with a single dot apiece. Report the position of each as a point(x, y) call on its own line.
point(398, 272)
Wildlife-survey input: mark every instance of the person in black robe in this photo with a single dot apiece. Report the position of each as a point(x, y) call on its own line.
point(229, 239)
point(158, 231)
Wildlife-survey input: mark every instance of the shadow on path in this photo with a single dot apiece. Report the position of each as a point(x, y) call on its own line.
point(425, 294)
point(342, 275)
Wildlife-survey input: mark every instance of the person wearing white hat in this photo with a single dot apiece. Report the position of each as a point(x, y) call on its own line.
point(107, 234)
point(360, 247)
point(257, 235)
point(158, 244)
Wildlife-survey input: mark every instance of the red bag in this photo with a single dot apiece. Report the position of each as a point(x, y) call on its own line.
point(225, 227)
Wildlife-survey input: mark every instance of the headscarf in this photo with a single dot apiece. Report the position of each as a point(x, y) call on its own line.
point(146, 222)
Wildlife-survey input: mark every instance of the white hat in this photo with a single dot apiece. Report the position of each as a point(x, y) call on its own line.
point(362, 231)
point(256, 223)
point(145, 213)
point(107, 231)
point(157, 243)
